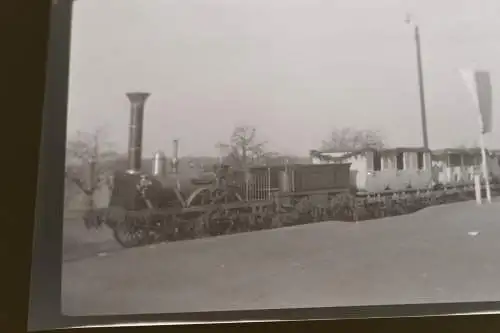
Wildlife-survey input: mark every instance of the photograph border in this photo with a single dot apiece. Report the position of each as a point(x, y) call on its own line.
point(46, 272)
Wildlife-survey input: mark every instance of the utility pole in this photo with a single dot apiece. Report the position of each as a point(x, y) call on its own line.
point(423, 111)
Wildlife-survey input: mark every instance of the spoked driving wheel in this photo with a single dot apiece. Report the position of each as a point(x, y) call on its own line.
point(218, 222)
point(130, 233)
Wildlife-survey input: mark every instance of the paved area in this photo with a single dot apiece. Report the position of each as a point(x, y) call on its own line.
point(80, 243)
point(441, 254)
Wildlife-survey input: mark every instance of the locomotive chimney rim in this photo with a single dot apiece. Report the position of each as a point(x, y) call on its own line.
point(137, 101)
point(138, 97)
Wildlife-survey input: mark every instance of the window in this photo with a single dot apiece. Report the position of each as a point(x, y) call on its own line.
point(377, 161)
point(400, 161)
point(469, 160)
point(454, 160)
point(420, 160)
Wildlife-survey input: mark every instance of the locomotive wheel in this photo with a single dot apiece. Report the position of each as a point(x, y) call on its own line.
point(373, 211)
point(401, 208)
point(129, 234)
point(349, 209)
point(218, 223)
point(190, 229)
point(241, 223)
point(168, 230)
point(218, 227)
point(306, 211)
point(266, 221)
point(261, 221)
point(343, 207)
point(200, 227)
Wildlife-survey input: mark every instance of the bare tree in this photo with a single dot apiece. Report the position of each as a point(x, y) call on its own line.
point(353, 139)
point(88, 160)
point(472, 145)
point(243, 149)
point(276, 159)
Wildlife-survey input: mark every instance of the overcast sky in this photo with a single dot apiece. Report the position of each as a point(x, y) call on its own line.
point(295, 69)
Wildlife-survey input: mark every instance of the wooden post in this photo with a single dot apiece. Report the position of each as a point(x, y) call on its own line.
point(269, 183)
point(462, 168)
point(479, 85)
point(247, 183)
point(477, 188)
point(175, 163)
point(91, 183)
point(484, 165)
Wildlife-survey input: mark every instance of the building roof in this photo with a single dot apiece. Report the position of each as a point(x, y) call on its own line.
point(357, 151)
point(406, 150)
point(446, 151)
point(347, 154)
point(342, 154)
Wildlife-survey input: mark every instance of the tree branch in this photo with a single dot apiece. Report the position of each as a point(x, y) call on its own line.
point(78, 182)
point(353, 139)
point(242, 148)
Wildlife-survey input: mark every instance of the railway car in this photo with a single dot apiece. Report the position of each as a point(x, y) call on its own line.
point(398, 169)
point(374, 171)
point(402, 180)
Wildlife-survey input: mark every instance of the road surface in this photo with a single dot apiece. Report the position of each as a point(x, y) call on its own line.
point(441, 254)
point(80, 243)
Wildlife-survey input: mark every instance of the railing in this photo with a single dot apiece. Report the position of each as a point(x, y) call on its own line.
point(290, 175)
point(258, 186)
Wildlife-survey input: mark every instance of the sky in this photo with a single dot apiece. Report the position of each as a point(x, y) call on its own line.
point(294, 69)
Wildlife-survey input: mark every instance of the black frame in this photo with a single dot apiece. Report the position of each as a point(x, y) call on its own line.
point(420, 160)
point(377, 161)
point(45, 290)
point(400, 161)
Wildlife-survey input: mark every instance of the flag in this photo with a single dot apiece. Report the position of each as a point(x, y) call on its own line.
point(479, 84)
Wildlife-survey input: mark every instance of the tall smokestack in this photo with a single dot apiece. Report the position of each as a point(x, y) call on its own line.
point(137, 101)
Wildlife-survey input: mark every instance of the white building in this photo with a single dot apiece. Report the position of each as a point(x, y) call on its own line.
point(458, 166)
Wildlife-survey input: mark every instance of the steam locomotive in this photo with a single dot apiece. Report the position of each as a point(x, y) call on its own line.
point(146, 208)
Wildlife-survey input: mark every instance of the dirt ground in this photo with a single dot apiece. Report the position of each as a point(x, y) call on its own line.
point(441, 254)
